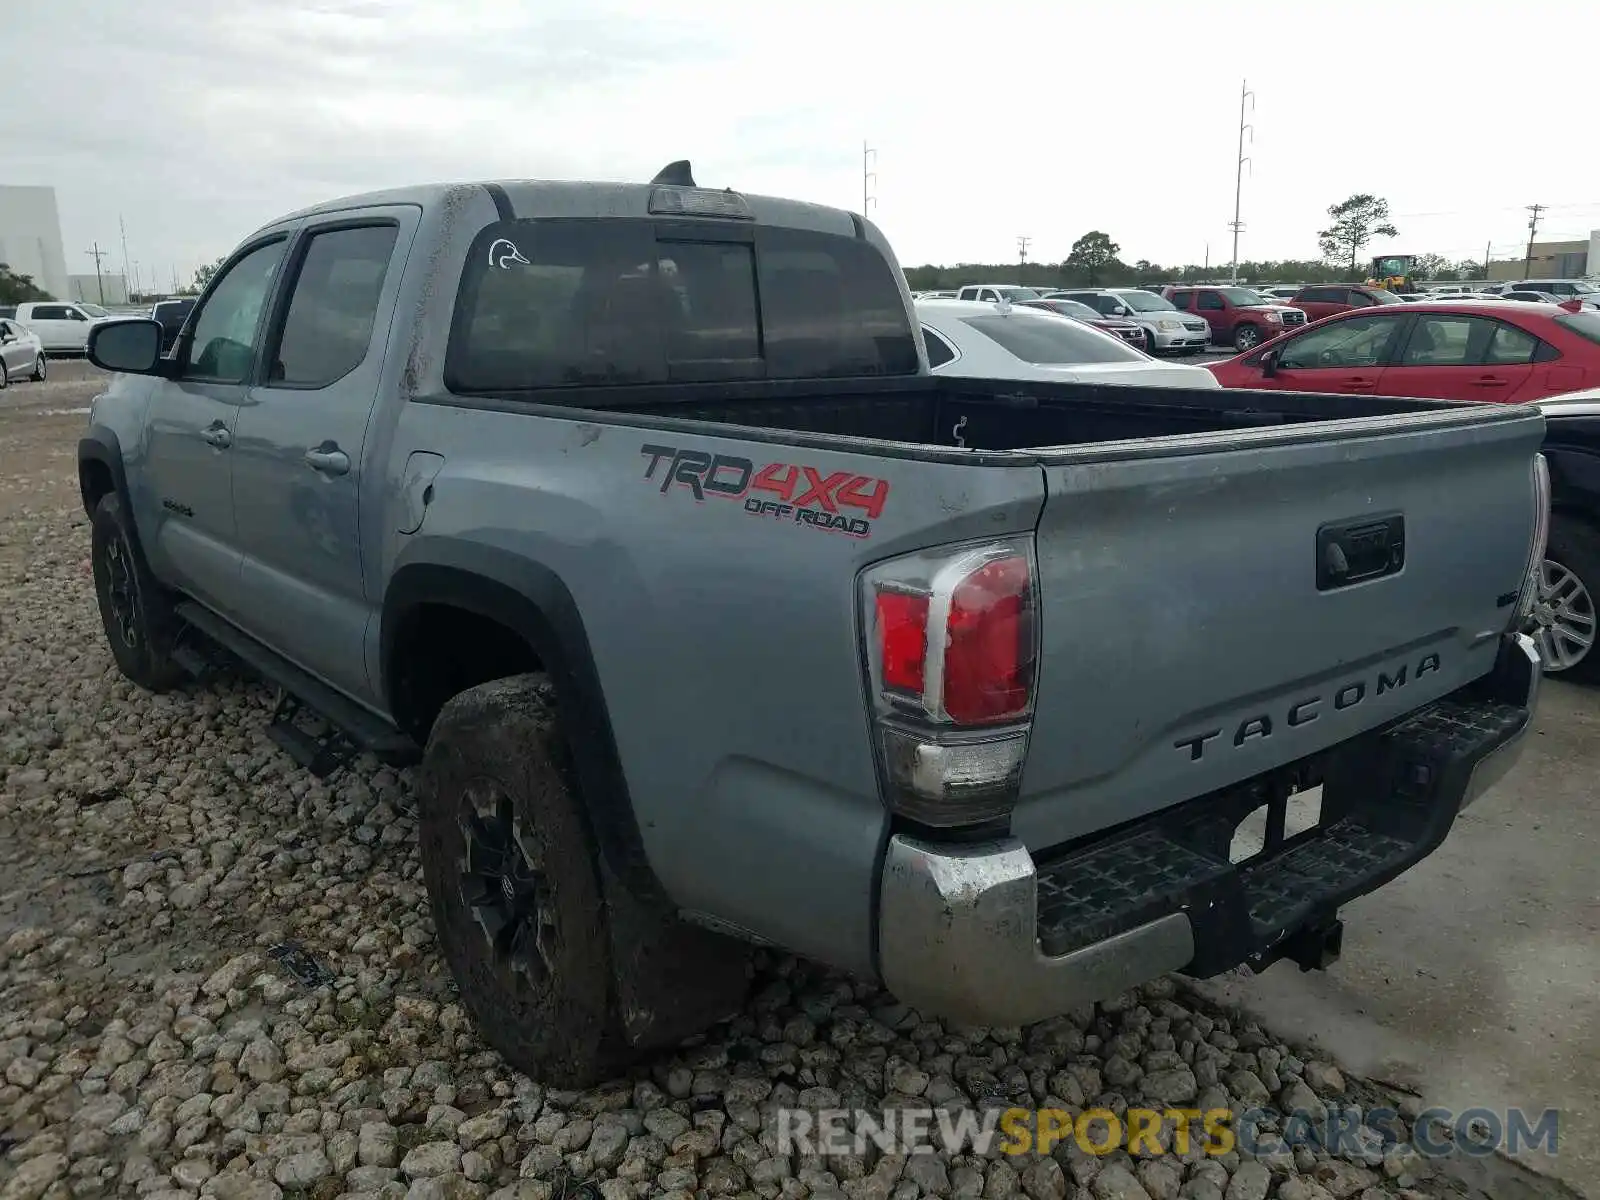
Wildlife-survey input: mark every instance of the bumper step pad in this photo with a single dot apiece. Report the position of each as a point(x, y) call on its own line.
point(1388, 800)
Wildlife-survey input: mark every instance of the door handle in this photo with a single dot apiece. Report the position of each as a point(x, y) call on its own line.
point(1357, 384)
point(1489, 381)
point(217, 435)
point(328, 459)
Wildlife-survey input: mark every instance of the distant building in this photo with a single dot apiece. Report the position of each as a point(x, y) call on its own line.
point(1552, 260)
point(91, 287)
point(30, 237)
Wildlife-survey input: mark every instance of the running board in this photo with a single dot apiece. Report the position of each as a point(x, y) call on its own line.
point(298, 689)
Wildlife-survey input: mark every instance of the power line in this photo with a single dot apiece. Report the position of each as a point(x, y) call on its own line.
point(1533, 228)
point(868, 156)
point(1022, 249)
point(97, 254)
point(1238, 178)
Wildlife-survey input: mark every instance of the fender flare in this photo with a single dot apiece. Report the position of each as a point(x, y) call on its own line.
point(102, 446)
point(530, 599)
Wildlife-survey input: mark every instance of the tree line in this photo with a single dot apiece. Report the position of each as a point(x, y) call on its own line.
point(1096, 261)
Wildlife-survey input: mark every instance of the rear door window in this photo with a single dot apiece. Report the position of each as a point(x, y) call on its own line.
point(1210, 301)
point(562, 303)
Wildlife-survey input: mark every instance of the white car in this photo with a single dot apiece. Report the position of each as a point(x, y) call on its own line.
point(61, 327)
point(21, 354)
point(1005, 341)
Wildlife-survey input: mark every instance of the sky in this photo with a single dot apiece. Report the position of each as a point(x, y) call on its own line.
point(193, 122)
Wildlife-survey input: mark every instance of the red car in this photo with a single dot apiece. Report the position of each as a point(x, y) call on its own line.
point(1443, 350)
point(1326, 299)
point(1129, 331)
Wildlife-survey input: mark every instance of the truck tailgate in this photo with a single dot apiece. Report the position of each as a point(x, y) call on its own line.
point(1188, 639)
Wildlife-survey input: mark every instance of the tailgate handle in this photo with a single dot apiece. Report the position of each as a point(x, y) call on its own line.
point(1355, 551)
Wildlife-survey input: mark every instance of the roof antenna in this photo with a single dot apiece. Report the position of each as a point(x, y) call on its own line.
point(675, 174)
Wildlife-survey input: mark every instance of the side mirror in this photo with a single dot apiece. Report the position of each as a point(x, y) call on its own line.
point(130, 347)
point(1269, 364)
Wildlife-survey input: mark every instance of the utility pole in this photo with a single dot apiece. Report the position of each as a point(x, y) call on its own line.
point(1533, 226)
point(97, 254)
point(1487, 247)
point(869, 156)
point(1022, 249)
point(123, 230)
point(1238, 178)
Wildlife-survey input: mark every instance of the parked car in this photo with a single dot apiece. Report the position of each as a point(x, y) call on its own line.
point(1565, 288)
point(1004, 341)
point(637, 513)
point(62, 328)
point(1324, 300)
point(1569, 579)
point(1129, 331)
point(1525, 296)
point(1280, 291)
point(1168, 330)
point(988, 293)
point(1238, 317)
point(21, 353)
point(170, 314)
point(1447, 349)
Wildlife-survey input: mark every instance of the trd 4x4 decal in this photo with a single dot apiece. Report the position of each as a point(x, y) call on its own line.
point(790, 492)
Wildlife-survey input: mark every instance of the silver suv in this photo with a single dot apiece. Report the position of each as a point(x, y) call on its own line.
point(1171, 331)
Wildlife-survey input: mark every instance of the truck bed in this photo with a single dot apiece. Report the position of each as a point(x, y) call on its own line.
point(998, 415)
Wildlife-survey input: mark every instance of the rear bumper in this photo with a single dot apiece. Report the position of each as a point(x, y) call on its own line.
point(984, 933)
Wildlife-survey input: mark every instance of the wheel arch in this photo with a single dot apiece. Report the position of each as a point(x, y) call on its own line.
point(100, 468)
point(534, 603)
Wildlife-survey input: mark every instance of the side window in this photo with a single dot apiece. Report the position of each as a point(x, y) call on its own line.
point(1362, 342)
point(1209, 302)
point(1319, 295)
point(1442, 340)
point(1510, 346)
point(328, 327)
point(1105, 305)
point(939, 351)
point(988, 296)
point(1182, 299)
point(74, 314)
point(225, 333)
point(711, 327)
point(1358, 299)
point(50, 312)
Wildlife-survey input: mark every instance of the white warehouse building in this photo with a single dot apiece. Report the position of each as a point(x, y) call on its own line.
point(30, 237)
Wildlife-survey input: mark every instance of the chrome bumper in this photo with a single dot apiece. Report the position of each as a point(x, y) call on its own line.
point(959, 928)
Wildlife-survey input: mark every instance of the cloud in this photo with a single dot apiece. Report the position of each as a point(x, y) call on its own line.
point(196, 122)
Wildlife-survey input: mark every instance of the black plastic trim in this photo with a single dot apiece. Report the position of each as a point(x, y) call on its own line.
point(531, 600)
point(502, 201)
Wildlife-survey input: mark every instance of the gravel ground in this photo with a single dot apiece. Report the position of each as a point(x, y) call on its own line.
point(154, 850)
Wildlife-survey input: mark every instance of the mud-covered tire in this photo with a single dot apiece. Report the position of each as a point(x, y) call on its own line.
point(499, 747)
point(1573, 553)
point(135, 610)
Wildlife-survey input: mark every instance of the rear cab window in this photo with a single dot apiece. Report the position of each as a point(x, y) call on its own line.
point(559, 302)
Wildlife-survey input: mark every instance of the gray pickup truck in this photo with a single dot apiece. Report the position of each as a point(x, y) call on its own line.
point(715, 620)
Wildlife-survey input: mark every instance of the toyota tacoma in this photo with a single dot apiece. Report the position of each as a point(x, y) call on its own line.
point(633, 512)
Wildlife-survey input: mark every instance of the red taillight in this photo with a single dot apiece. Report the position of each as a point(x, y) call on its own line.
point(903, 640)
point(988, 655)
point(951, 662)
